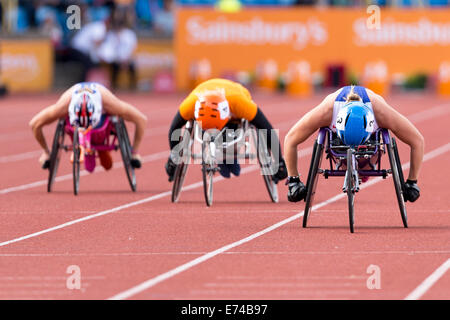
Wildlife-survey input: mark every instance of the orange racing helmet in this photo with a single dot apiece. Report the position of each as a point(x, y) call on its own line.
point(212, 110)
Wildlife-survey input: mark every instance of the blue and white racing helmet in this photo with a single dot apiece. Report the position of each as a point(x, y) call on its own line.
point(84, 111)
point(355, 123)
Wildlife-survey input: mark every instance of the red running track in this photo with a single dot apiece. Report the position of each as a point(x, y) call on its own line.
point(141, 246)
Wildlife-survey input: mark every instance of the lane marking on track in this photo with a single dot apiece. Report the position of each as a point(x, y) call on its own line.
point(429, 282)
point(119, 254)
point(20, 156)
point(195, 185)
point(186, 266)
point(117, 164)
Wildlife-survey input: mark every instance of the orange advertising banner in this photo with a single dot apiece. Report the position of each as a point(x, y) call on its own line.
point(26, 65)
point(153, 58)
point(405, 41)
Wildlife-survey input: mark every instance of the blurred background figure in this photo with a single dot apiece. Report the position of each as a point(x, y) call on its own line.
point(85, 45)
point(129, 43)
point(164, 21)
point(118, 47)
point(47, 22)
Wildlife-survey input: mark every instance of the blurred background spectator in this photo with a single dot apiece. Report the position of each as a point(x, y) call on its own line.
point(155, 17)
point(110, 28)
point(164, 21)
point(118, 46)
point(85, 44)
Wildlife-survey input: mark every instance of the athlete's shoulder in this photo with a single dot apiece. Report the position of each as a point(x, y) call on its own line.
point(91, 87)
point(218, 82)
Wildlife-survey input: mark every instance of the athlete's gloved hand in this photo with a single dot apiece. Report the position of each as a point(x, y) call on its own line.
point(136, 161)
point(281, 173)
point(44, 160)
point(412, 191)
point(297, 190)
point(170, 169)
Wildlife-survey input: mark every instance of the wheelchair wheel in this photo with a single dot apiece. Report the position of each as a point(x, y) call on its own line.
point(125, 151)
point(58, 144)
point(397, 176)
point(350, 182)
point(265, 160)
point(207, 173)
point(311, 183)
point(180, 171)
point(76, 161)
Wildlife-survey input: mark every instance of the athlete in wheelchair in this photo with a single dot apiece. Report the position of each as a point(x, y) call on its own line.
point(93, 118)
point(224, 116)
point(354, 125)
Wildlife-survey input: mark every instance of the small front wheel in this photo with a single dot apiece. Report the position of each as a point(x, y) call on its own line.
point(207, 172)
point(350, 182)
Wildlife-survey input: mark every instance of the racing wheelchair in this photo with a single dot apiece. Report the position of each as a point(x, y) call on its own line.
point(352, 163)
point(218, 146)
point(111, 135)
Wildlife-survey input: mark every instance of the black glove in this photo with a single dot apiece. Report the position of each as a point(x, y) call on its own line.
point(46, 164)
point(412, 191)
point(297, 190)
point(281, 173)
point(170, 169)
point(135, 163)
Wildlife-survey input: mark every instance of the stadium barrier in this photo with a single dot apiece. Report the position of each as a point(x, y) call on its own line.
point(408, 41)
point(26, 64)
point(444, 79)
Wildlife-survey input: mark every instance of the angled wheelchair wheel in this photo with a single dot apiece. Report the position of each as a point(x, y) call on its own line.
point(207, 173)
point(397, 177)
point(350, 182)
point(76, 161)
point(181, 169)
point(311, 182)
point(58, 144)
point(265, 160)
point(125, 151)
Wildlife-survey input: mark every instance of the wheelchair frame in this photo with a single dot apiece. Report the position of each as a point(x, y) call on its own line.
point(113, 125)
point(210, 145)
point(379, 143)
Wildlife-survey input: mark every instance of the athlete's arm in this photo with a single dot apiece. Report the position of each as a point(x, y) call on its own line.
point(47, 116)
point(177, 123)
point(316, 118)
point(389, 118)
point(184, 114)
point(115, 106)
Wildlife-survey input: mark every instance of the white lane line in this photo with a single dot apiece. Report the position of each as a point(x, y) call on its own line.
point(195, 185)
point(20, 156)
point(197, 253)
point(429, 282)
point(117, 164)
point(171, 273)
